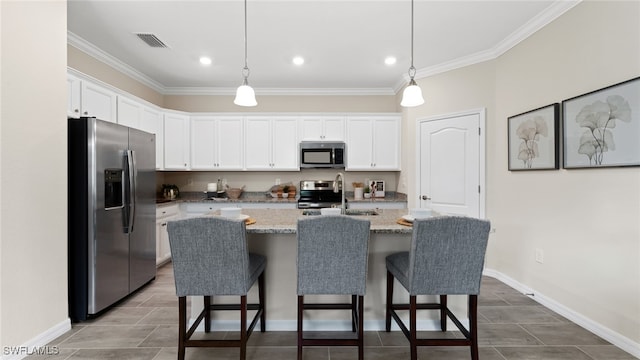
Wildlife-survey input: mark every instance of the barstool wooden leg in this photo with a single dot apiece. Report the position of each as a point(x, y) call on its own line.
point(300, 313)
point(207, 314)
point(360, 327)
point(443, 312)
point(413, 327)
point(243, 327)
point(182, 325)
point(389, 301)
point(262, 301)
point(473, 325)
point(354, 312)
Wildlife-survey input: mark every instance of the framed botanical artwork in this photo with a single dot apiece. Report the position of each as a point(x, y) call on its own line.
point(602, 128)
point(533, 139)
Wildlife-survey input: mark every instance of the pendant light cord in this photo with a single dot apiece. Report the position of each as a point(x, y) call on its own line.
point(245, 71)
point(412, 70)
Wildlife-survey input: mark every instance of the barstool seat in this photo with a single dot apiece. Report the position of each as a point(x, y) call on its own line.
point(446, 258)
point(332, 260)
point(210, 258)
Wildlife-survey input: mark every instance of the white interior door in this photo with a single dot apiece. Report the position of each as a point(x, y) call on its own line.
point(451, 163)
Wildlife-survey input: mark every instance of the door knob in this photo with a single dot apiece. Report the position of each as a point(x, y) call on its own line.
point(425, 197)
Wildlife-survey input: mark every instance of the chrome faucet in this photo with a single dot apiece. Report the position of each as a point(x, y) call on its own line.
point(336, 188)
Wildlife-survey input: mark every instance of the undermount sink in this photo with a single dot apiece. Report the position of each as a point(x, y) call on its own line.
point(350, 212)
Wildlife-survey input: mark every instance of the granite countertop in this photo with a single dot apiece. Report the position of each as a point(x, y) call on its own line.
point(284, 221)
point(263, 197)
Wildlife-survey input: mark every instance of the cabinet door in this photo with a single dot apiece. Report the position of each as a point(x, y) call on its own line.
point(203, 143)
point(73, 96)
point(285, 144)
point(311, 128)
point(98, 102)
point(334, 128)
point(176, 141)
point(129, 112)
point(258, 143)
point(229, 143)
point(386, 144)
point(152, 122)
point(359, 144)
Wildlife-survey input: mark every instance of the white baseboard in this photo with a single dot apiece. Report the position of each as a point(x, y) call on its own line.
point(37, 345)
point(604, 332)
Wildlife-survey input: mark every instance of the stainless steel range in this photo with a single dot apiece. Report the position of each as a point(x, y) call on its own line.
point(316, 194)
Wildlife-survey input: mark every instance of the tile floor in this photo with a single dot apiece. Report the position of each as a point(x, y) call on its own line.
point(511, 327)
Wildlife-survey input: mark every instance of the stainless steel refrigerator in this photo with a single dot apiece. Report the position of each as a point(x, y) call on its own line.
point(111, 204)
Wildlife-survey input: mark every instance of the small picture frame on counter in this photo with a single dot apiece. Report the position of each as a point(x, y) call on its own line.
point(377, 188)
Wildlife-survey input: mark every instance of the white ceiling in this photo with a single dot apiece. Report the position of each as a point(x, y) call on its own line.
point(344, 43)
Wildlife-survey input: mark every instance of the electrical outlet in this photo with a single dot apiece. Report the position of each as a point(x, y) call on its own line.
point(539, 256)
point(277, 181)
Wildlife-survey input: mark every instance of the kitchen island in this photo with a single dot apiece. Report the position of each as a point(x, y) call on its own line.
point(274, 236)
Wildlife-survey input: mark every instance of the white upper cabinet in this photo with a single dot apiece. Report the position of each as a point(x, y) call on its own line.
point(373, 143)
point(129, 112)
point(322, 128)
point(216, 143)
point(98, 102)
point(271, 143)
point(74, 87)
point(176, 141)
point(152, 122)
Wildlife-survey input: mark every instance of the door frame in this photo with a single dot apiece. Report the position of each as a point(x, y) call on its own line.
point(481, 112)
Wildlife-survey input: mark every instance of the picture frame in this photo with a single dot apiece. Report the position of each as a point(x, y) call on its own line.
point(377, 188)
point(601, 128)
point(533, 139)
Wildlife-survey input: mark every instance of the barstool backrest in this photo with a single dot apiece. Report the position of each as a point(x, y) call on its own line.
point(209, 256)
point(447, 255)
point(332, 255)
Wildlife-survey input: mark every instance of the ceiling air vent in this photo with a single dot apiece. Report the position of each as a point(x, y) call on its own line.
point(152, 40)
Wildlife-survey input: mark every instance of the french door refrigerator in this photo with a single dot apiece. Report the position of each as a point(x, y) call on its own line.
point(111, 204)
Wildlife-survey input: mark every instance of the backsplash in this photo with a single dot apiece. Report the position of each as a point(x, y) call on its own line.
point(263, 180)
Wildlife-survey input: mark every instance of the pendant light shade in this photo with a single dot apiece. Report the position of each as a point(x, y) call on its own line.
point(412, 94)
point(245, 96)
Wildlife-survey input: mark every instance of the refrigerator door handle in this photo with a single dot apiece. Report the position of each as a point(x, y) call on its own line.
point(131, 188)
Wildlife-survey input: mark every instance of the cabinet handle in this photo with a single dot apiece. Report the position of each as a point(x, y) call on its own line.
point(425, 197)
point(76, 111)
point(164, 224)
point(86, 113)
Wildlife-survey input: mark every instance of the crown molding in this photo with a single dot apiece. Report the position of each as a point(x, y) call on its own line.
point(551, 13)
point(282, 91)
point(93, 51)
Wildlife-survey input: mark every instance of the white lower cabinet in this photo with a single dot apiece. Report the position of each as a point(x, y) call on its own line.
point(164, 214)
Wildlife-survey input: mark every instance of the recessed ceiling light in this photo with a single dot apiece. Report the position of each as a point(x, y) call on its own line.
point(298, 60)
point(205, 60)
point(390, 60)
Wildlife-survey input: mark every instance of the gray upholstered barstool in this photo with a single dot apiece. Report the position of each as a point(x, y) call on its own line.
point(446, 258)
point(332, 260)
point(210, 258)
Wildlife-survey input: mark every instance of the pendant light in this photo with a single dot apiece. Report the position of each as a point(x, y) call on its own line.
point(245, 96)
point(412, 94)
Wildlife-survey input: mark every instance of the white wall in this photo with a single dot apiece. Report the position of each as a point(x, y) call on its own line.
point(585, 221)
point(33, 235)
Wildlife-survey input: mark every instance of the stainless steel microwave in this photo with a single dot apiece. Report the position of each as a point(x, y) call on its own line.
point(322, 154)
